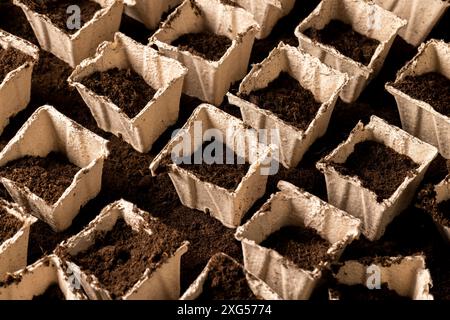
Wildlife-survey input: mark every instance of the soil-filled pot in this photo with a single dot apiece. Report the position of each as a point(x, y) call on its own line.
point(72, 48)
point(14, 234)
point(46, 132)
point(43, 280)
point(294, 207)
point(347, 191)
point(324, 83)
point(406, 276)
point(442, 195)
point(227, 31)
point(17, 61)
point(141, 126)
point(422, 118)
point(223, 272)
point(133, 251)
point(227, 204)
point(366, 20)
point(149, 12)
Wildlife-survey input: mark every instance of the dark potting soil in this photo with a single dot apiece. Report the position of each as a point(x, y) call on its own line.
point(135, 29)
point(226, 281)
point(285, 97)
point(125, 88)
point(362, 293)
point(379, 168)
point(230, 3)
point(52, 293)
point(11, 59)
point(13, 20)
point(207, 45)
point(42, 241)
point(9, 225)
point(442, 215)
point(347, 41)
point(119, 257)
point(301, 245)
point(432, 88)
point(56, 10)
point(220, 173)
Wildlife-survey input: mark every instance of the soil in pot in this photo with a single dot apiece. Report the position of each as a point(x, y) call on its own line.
point(347, 41)
point(378, 167)
point(432, 88)
point(13, 20)
point(442, 215)
point(207, 45)
point(135, 29)
point(226, 281)
point(301, 245)
point(286, 98)
point(11, 59)
point(52, 293)
point(125, 88)
point(46, 177)
point(362, 293)
point(9, 225)
point(42, 241)
point(56, 11)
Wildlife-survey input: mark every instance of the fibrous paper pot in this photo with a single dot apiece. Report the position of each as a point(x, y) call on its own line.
point(366, 18)
point(209, 80)
point(228, 206)
point(73, 48)
point(45, 131)
point(258, 287)
point(36, 278)
point(407, 276)
point(149, 12)
point(418, 117)
point(443, 194)
point(291, 206)
point(161, 283)
point(163, 74)
point(421, 16)
point(14, 251)
point(15, 88)
point(324, 82)
point(348, 194)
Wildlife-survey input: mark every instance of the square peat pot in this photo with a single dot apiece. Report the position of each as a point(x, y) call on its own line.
point(260, 289)
point(421, 15)
point(160, 282)
point(419, 118)
point(365, 18)
point(293, 207)
point(209, 80)
point(149, 12)
point(325, 84)
point(443, 194)
point(34, 281)
point(73, 48)
point(45, 131)
point(348, 193)
point(14, 250)
point(15, 88)
point(228, 206)
point(163, 74)
point(407, 276)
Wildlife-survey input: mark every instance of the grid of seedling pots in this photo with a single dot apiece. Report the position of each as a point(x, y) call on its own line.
point(349, 200)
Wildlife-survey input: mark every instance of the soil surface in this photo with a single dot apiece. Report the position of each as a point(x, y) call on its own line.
point(362, 293)
point(47, 177)
point(125, 88)
point(443, 214)
point(379, 168)
point(9, 225)
point(52, 293)
point(285, 97)
point(11, 59)
point(301, 245)
point(42, 241)
point(207, 45)
point(347, 41)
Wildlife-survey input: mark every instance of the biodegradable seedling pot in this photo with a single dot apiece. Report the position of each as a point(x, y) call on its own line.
point(407, 276)
point(324, 82)
point(258, 287)
point(292, 206)
point(209, 80)
point(443, 194)
point(45, 131)
point(347, 193)
point(15, 89)
point(163, 74)
point(13, 251)
point(421, 16)
point(418, 117)
point(72, 49)
point(162, 283)
point(149, 12)
point(366, 18)
point(36, 278)
point(228, 206)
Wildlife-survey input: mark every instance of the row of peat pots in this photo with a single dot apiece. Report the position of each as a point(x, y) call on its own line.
point(316, 72)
